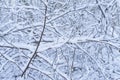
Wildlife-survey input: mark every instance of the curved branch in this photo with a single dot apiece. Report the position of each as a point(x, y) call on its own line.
point(35, 52)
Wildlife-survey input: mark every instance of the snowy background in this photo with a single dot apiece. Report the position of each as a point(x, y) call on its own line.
point(80, 41)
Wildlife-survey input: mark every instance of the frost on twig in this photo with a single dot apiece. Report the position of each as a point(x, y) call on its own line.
point(68, 40)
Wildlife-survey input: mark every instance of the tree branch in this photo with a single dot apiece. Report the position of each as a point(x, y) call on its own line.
point(35, 52)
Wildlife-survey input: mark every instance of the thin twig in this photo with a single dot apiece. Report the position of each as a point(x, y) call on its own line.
point(72, 66)
point(100, 9)
point(77, 45)
point(35, 52)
